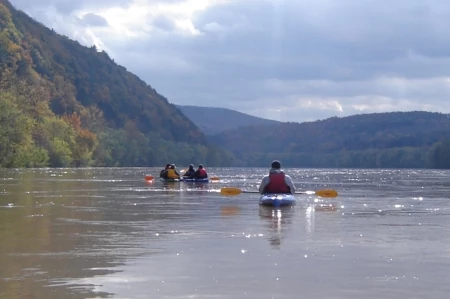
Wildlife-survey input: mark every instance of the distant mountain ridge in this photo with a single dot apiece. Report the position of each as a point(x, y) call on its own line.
point(211, 120)
point(397, 139)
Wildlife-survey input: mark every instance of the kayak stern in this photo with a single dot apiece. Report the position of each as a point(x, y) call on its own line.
point(277, 200)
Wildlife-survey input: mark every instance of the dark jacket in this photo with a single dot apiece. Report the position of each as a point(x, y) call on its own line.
point(189, 173)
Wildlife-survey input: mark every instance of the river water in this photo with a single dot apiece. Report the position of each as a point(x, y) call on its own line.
point(107, 233)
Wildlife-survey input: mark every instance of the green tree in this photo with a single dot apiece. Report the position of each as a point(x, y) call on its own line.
point(441, 155)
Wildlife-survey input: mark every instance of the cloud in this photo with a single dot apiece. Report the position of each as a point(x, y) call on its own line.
point(66, 7)
point(213, 27)
point(163, 23)
point(91, 19)
point(309, 59)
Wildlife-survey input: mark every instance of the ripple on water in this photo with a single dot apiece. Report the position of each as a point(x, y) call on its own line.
point(11, 205)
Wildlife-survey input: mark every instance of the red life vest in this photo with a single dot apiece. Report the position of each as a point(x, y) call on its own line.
point(277, 184)
point(202, 173)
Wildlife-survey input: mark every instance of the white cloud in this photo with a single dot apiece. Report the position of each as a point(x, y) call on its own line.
point(139, 16)
point(213, 27)
point(309, 59)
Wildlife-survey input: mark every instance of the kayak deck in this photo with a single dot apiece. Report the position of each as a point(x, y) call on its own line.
point(206, 180)
point(169, 180)
point(277, 200)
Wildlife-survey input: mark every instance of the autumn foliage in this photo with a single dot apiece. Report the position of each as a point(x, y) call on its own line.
point(63, 104)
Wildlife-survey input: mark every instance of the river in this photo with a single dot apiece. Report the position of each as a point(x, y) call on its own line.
point(107, 233)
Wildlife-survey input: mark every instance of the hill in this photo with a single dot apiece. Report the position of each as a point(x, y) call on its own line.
point(64, 104)
point(215, 120)
point(397, 139)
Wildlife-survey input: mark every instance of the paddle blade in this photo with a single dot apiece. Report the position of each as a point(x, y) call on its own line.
point(214, 178)
point(148, 177)
point(230, 191)
point(327, 193)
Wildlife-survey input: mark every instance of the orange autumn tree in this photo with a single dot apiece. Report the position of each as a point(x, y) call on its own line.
point(85, 141)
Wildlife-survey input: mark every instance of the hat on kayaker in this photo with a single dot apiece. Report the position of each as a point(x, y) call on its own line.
point(200, 166)
point(276, 164)
point(172, 166)
point(167, 166)
point(191, 166)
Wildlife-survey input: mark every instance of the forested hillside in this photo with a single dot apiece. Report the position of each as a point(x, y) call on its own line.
point(212, 120)
point(398, 139)
point(63, 104)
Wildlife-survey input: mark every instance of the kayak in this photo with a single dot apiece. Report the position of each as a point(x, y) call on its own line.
point(277, 200)
point(169, 180)
point(205, 180)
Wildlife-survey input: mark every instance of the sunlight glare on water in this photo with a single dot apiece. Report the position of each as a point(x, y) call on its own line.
point(106, 232)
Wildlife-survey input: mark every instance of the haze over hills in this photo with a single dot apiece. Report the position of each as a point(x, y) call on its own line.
point(212, 120)
point(64, 104)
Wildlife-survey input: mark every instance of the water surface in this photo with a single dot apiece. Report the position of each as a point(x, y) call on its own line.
point(105, 232)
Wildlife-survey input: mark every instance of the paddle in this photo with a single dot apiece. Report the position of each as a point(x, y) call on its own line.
point(230, 191)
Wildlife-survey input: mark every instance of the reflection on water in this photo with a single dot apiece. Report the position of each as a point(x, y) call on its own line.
point(278, 219)
point(84, 233)
point(229, 210)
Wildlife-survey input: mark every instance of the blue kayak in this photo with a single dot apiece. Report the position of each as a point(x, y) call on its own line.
point(205, 180)
point(169, 180)
point(277, 200)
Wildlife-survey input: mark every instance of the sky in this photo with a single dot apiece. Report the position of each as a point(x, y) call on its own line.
point(287, 60)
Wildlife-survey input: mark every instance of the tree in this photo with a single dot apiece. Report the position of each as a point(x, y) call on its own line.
point(441, 155)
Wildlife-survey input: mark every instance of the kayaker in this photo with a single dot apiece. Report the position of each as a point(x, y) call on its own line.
point(163, 173)
point(277, 181)
point(200, 173)
point(189, 174)
point(172, 172)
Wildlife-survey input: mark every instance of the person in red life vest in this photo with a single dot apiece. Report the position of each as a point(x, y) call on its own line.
point(277, 181)
point(200, 173)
